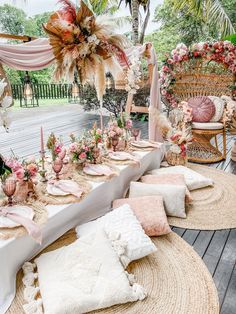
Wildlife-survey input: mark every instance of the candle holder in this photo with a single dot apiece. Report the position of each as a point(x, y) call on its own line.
point(43, 171)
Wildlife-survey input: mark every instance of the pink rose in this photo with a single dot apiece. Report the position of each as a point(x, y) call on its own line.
point(82, 155)
point(129, 124)
point(57, 149)
point(33, 169)
point(20, 173)
point(73, 147)
point(99, 131)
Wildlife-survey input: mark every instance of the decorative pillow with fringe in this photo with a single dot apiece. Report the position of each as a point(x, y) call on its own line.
point(84, 276)
point(123, 221)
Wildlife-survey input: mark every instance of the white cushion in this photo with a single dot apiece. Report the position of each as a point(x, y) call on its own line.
point(173, 196)
point(123, 221)
point(219, 107)
point(193, 179)
point(208, 125)
point(83, 276)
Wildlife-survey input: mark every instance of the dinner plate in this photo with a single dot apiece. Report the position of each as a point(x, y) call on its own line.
point(143, 144)
point(97, 170)
point(120, 156)
point(24, 211)
point(56, 191)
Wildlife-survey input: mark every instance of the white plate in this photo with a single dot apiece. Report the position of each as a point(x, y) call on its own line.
point(143, 144)
point(121, 156)
point(21, 210)
point(96, 170)
point(56, 191)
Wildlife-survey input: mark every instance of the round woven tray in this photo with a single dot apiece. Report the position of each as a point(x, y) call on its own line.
point(175, 278)
point(213, 208)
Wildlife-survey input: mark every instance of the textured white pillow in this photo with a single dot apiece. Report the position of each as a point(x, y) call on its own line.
point(219, 106)
point(123, 221)
point(193, 179)
point(81, 277)
point(173, 196)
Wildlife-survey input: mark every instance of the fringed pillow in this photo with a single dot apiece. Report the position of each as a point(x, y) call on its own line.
point(193, 179)
point(123, 221)
point(150, 212)
point(173, 196)
point(81, 277)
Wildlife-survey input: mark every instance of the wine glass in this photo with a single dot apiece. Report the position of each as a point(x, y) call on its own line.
point(57, 166)
point(114, 142)
point(135, 132)
point(9, 188)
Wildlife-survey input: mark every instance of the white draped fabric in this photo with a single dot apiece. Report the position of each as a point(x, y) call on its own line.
point(14, 252)
point(33, 55)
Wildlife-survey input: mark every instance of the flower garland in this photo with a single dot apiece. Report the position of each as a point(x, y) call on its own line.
point(133, 76)
point(223, 52)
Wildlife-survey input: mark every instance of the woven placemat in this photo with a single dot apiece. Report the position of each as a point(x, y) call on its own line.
point(40, 218)
point(175, 278)
point(213, 208)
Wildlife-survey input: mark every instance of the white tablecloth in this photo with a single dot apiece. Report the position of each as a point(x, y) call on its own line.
point(14, 252)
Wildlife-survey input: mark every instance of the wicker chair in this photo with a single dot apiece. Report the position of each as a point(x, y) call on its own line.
point(204, 79)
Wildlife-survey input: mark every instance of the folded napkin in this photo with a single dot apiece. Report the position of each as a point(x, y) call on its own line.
point(31, 227)
point(68, 186)
point(97, 169)
point(146, 144)
point(122, 156)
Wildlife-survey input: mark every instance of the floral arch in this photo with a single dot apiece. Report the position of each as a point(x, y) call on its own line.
point(207, 68)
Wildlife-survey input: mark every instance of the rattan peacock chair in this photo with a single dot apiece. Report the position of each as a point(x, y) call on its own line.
point(204, 78)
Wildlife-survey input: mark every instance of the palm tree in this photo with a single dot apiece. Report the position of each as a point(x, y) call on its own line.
point(211, 11)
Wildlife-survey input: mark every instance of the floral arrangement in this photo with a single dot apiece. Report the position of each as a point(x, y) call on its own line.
point(133, 76)
point(124, 121)
point(85, 44)
point(6, 102)
point(95, 134)
point(81, 149)
point(179, 140)
point(113, 130)
point(223, 52)
point(25, 170)
point(55, 146)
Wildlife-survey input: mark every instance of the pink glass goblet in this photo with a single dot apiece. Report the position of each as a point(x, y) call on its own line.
point(135, 132)
point(9, 188)
point(114, 142)
point(57, 166)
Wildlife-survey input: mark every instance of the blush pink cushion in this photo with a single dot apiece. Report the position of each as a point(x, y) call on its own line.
point(203, 108)
point(150, 212)
point(168, 178)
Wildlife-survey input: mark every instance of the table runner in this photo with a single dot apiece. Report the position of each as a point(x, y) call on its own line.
point(61, 218)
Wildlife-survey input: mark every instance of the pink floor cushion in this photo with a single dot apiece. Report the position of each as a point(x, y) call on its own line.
point(203, 108)
point(150, 212)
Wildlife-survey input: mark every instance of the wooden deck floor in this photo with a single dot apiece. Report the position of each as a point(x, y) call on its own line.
point(216, 248)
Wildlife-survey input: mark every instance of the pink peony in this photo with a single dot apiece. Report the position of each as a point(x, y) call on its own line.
point(20, 173)
point(99, 131)
point(33, 169)
point(73, 147)
point(82, 155)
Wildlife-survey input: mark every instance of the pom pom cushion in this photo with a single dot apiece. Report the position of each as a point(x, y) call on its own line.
point(193, 179)
point(123, 221)
point(81, 277)
point(203, 108)
point(174, 178)
point(150, 212)
point(173, 196)
point(219, 108)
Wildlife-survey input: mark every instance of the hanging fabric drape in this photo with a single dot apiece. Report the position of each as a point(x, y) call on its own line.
point(31, 56)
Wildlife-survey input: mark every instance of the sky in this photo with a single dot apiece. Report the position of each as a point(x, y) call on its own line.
point(32, 7)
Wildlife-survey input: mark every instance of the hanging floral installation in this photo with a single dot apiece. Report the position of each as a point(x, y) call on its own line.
point(86, 44)
point(222, 52)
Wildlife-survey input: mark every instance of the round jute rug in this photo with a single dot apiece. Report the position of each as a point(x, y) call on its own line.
point(213, 208)
point(175, 278)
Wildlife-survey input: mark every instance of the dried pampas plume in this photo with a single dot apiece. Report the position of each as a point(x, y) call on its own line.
point(160, 120)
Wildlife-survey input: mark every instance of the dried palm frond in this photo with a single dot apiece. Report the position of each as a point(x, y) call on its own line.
point(81, 43)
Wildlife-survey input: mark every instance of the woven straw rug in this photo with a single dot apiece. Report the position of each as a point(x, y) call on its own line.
point(176, 279)
point(213, 208)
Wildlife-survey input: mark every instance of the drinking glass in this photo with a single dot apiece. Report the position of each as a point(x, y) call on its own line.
point(9, 188)
point(57, 166)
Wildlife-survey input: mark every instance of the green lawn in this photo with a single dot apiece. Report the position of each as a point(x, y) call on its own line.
point(44, 103)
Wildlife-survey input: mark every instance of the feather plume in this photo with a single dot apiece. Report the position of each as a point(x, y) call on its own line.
point(68, 11)
point(100, 79)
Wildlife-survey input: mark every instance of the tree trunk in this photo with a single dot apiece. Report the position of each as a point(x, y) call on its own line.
point(135, 21)
point(145, 23)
